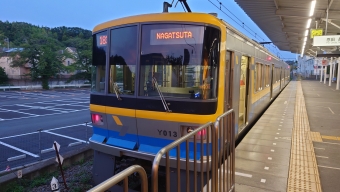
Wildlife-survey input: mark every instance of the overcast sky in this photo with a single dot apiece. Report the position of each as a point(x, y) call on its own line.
point(88, 13)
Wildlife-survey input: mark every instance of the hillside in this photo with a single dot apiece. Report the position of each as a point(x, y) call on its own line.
point(19, 33)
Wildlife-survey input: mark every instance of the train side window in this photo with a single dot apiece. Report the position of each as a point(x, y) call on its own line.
point(258, 77)
point(99, 62)
point(123, 59)
point(267, 76)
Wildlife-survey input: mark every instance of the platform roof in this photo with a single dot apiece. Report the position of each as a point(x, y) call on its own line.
point(285, 21)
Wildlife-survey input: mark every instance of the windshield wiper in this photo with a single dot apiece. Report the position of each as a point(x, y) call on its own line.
point(116, 89)
point(165, 105)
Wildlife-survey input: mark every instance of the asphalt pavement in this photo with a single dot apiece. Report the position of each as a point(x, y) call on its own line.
point(30, 122)
point(323, 108)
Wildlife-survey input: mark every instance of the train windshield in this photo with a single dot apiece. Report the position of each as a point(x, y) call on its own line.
point(181, 60)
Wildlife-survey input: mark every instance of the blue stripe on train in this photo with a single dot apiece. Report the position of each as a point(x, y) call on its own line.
point(146, 144)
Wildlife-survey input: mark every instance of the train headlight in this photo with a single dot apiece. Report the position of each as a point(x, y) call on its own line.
point(188, 129)
point(97, 119)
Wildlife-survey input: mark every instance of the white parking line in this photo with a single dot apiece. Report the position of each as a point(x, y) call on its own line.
point(15, 111)
point(19, 135)
point(61, 112)
point(64, 136)
point(66, 127)
point(243, 174)
point(328, 167)
point(321, 156)
point(15, 148)
point(330, 110)
point(331, 143)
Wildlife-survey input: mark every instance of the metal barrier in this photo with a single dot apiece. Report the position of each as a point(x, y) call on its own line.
point(105, 185)
point(218, 140)
point(9, 87)
point(225, 132)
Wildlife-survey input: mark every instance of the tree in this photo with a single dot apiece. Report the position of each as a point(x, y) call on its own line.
point(41, 52)
point(83, 59)
point(3, 76)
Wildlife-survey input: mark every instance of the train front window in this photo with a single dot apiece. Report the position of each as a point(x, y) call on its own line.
point(99, 62)
point(181, 59)
point(123, 58)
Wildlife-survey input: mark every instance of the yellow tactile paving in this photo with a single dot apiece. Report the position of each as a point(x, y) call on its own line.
point(329, 137)
point(315, 136)
point(303, 170)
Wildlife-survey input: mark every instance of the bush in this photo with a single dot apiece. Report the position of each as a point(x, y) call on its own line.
point(3, 76)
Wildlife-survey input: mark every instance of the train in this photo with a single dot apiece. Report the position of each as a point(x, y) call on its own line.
point(158, 76)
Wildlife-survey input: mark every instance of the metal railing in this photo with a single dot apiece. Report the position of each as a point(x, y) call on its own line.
point(225, 125)
point(107, 184)
point(204, 161)
point(216, 165)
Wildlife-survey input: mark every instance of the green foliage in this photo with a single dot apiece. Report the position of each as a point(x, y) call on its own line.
point(42, 50)
point(3, 76)
point(20, 32)
point(25, 184)
point(83, 59)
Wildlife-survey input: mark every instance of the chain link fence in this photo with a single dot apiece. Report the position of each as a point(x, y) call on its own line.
point(24, 150)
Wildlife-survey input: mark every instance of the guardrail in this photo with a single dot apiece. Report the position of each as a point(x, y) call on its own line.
point(226, 155)
point(220, 139)
point(207, 165)
point(4, 88)
point(107, 184)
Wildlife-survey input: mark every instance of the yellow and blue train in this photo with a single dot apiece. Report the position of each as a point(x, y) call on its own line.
point(157, 76)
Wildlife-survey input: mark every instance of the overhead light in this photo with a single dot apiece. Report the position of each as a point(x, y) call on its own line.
point(305, 39)
point(306, 32)
point(308, 23)
point(312, 7)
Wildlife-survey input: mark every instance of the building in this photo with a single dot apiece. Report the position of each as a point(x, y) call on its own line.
point(69, 61)
point(306, 66)
point(13, 72)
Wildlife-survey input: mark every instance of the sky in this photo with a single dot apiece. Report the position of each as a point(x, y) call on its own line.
point(88, 13)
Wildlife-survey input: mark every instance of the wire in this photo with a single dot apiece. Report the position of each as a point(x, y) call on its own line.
point(183, 6)
point(242, 24)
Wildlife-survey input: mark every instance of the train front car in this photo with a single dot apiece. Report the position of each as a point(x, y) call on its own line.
point(155, 78)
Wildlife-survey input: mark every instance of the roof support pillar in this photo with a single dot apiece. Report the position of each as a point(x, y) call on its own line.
point(338, 78)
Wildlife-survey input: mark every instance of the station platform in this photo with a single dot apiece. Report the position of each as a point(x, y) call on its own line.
point(295, 145)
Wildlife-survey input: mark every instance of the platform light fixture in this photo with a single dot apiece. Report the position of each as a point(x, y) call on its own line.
point(306, 32)
point(312, 8)
point(308, 23)
point(305, 39)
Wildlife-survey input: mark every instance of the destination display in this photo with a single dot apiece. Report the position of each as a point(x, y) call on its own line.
point(101, 39)
point(171, 36)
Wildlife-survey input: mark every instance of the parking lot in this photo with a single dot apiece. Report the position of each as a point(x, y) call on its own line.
point(38, 118)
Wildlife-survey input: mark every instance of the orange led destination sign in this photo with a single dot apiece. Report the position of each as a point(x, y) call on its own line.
point(174, 35)
point(177, 36)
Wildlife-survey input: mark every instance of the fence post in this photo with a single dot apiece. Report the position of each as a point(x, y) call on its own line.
point(40, 143)
point(86, 132)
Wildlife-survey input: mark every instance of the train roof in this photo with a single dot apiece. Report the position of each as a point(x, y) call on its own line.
point(155, 17)
point(192, 17)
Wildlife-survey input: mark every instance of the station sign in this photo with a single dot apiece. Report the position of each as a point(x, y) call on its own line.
point(315, 32)
point(326, 40)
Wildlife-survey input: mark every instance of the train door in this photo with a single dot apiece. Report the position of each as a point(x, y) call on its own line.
point(280, 77)
point(122, 123)
point(229, 68)
point(244, 82)
point(271, 82)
